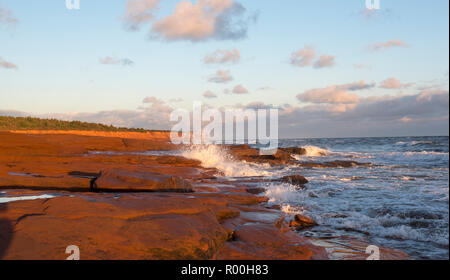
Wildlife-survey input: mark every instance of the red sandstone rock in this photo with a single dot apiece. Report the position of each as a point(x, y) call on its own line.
point(123, 180)
point(301, 222)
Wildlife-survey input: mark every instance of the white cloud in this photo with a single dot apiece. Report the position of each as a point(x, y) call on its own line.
point(7, 65)
point(221, 77)
point(6, 17)
point(303, 57)
point(329, 95)
point(394, 83)
point(108, 60)
point(387, 45)
point(240, 89)
point(335, 94)
point(209, 94)
point(139, 12)
point(324, 61)
point(198, 21)
point(223, 56)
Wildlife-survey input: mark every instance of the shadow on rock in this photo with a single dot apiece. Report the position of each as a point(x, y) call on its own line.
point(6, 232)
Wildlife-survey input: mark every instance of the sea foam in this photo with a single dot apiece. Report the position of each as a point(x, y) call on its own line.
point(213, 156)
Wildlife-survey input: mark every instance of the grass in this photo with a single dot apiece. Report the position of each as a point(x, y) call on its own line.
point(29, 123)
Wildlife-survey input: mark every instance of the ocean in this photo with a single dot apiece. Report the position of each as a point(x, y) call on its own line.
point(401, 201)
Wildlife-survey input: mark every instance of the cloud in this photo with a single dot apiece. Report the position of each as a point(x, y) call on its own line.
point(7, 65)
point(240, 89)
point(303, 57)
point(425, 113)
point(221, 77)
point(387, 45)
point(139, 12)
point(6, 17)
point(360, 85)
point(209, 94)
point(223, 56)
point(373, 14)
point(259, 105)
point(329, 95)
point(335, 94)
point(152, 99)
point(203, 20)
point(116, 61)
point(394, 83)
point(324, 61)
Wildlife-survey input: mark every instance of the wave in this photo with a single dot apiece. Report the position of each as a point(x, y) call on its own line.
point(314, 151)
point(413, 143)
point(213, 156)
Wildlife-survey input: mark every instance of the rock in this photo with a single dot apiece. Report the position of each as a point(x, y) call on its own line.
point(334, 164)
point(313, 195)
point(267, 242)
point(124, 180)
point(150, 227)
point(276, 207)
point(296, 180)
point(301, 222)
point(295, 150)
point(256, 190)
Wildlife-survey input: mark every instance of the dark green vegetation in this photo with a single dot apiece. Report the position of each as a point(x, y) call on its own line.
point(29, 123)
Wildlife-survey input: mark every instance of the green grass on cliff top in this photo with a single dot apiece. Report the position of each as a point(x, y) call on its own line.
point(29, 123)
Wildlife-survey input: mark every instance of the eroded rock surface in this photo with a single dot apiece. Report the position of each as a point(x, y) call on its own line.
point(147, 206)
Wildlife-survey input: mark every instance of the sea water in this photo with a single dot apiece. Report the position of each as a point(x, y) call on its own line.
point(401, 201)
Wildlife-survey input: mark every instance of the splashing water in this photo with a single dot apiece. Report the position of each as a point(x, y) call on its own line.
point(313, 151)
point(213, 156)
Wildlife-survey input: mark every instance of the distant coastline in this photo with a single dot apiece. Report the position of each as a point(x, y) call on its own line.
point(30, 123)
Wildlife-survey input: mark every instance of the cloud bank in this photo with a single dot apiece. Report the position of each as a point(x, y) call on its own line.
point(423, 113)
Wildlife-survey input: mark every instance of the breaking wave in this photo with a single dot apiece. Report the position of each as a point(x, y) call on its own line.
point(313, 151)
point(213, 156)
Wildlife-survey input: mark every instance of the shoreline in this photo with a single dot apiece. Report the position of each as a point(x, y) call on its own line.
point(149, 207)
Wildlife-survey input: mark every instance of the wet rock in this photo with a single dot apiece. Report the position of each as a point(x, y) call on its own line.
point(348, 229)
point(276, 207)
point(294, 150)
point(334, 164)
point(256, 190)
point(301, 222)
point(296, 180)
point(313, 195)
point(345, 163)
point(267, 242)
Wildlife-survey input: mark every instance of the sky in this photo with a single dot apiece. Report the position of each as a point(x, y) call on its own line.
point(332, 68)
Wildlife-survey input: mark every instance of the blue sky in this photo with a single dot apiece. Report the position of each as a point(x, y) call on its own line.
point(57, 52)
